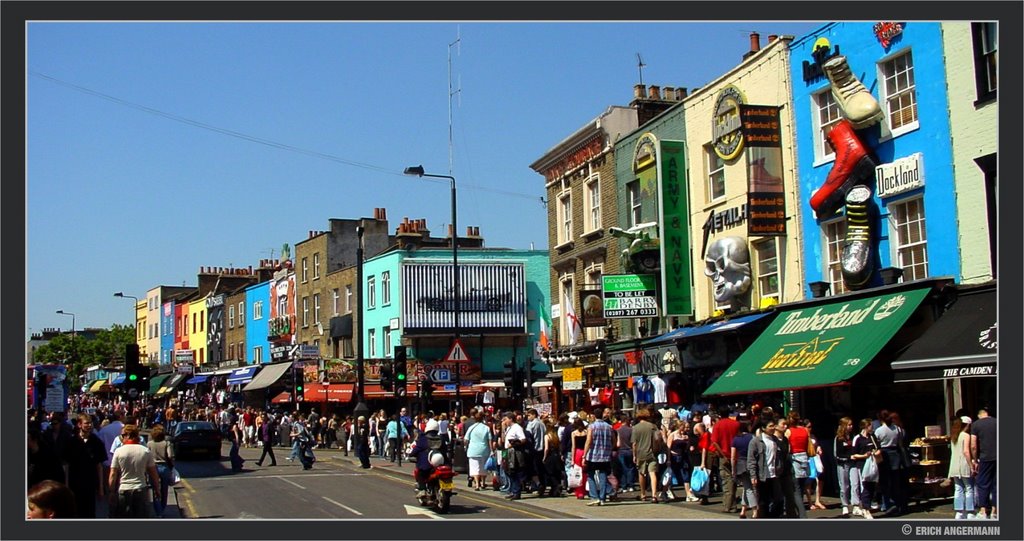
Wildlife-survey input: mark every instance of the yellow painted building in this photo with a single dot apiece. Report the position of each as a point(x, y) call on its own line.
point(140, 330)
point(196, 320)
point(723, 166)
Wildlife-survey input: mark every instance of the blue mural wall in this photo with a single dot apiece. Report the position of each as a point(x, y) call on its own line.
point(256, 329)
point(929, 135)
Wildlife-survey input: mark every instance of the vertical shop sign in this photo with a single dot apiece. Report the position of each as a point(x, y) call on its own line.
point(766, 200)
point(674, 212)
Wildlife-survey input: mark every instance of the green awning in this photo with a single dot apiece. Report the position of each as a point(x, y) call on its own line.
point(155, 383)
point(818, 346)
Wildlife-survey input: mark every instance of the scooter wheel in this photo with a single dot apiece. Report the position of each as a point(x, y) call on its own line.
point(443, 502)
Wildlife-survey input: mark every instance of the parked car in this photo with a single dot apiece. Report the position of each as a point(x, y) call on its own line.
point(197, 438)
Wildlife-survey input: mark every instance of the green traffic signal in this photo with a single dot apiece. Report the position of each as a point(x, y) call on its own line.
point(400, 377)
point(133, 377)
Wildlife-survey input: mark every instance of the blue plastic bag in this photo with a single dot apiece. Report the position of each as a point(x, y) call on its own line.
point(699, 482)
point(491, 464)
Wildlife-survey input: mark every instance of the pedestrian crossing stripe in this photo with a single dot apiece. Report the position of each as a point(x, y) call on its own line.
point(457, 354)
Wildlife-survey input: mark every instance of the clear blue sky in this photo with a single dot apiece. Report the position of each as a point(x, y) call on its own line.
point(123, 197)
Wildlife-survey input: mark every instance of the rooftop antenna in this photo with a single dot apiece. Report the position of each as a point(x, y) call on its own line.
point(640, 67)
point(458, 51)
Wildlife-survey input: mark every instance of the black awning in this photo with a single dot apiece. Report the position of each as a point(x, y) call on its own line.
point(962, 343)
point(341, 326)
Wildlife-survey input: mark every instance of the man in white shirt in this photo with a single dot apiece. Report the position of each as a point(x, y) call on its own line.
point(515, 440)
point(129, 466)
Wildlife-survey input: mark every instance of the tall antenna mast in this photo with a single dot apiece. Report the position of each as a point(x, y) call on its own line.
point(640, 67)
point(458, 39)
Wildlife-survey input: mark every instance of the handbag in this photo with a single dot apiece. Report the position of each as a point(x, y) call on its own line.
point(869, 471)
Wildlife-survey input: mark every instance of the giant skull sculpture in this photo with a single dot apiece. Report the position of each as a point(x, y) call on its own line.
point(728, 265)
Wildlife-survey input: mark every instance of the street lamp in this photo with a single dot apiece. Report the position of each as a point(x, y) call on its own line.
point(74, 334)
point(417, 170)
point(138, 330)
point(361, 407)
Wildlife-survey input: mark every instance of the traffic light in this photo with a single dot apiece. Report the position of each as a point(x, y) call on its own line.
point(296, 382)
point(387, 375)
point(511, 376)
point(136, 375)
point(401, 366)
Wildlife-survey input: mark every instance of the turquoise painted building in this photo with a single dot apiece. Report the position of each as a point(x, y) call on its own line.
point(914, 201)
point(407, 298)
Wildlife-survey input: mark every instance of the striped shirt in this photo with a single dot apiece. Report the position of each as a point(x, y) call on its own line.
point(601, 442)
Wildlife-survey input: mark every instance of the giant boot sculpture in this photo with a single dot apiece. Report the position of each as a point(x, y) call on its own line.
point(852, 166)
point(855, 259)
point(856, 103)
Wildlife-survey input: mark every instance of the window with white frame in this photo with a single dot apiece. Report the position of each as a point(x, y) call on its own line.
point(767, 269)
point(633, 190)
point(371, 343)
point(566, 295)
point(305, 269)
point(986, 49)
point(564, 218)
point(385, 288)
point(906, 218)
point(826, 115)
point(899, 94)
point(231, 317)
point(241, 313)
point(593, 213)
point(716, 174)
point(257, 354)
point(257, 310)
point(387, 342)
point(316, 265)
point(305, 311)
point(231, 351)
point(337, 300)
point(371, 292)
point(835, 235)
point(316, 307)
point(348, 299)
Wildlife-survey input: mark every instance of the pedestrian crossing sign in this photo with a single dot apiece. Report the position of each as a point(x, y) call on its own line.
point(457, 354)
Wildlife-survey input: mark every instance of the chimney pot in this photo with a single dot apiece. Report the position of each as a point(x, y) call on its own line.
point(450, 230)
point(638, 91)
point(670, 93)
point(681, 93)
point(383, 213)
point(469, 231)
point(654, 91)
point(755, 42)
point(772, 37)
point(476, 231)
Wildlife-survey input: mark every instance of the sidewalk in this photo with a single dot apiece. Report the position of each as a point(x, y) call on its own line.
point(629, 507)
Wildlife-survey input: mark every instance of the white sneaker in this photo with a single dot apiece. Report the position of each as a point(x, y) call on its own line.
point(970, 516)
point(867, 514)
point(846, 510)
point(857, 511)
point(671, 495)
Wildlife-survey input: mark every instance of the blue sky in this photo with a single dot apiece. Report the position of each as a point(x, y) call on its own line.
point(132, 181)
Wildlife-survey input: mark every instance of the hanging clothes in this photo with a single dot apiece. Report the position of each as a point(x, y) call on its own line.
point(643, 391)
point(595, 396)
point(607, 396)
point(659, 390)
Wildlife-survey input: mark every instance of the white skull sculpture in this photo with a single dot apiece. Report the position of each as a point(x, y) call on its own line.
point(728, 265)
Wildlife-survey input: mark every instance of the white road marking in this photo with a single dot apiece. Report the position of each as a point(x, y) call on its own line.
point(343, 506)
point(292, 483)
point(410, 510)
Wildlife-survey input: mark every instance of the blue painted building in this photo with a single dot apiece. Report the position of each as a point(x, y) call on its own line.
point(257, 302)
point(912, 190)
point(167, 324)
point(407, 298)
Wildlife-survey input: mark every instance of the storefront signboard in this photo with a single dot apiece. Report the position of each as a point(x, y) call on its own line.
point(572, 379)
point(629, 295)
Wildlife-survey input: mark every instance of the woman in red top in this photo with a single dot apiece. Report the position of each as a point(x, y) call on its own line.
point(799, 440)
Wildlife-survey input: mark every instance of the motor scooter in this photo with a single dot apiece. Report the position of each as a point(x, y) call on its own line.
point(440, 488)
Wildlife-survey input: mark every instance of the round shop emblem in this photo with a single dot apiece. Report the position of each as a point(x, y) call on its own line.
point(726, 126)
point(890, 307)
point(989, 338)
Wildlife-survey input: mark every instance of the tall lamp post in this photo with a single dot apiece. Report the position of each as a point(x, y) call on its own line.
point(361, 408)
point(417, 170)
point(74, 334)
point(135, 305)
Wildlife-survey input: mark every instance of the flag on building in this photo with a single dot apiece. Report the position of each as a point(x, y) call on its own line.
point(571, 321)
point(545, 329)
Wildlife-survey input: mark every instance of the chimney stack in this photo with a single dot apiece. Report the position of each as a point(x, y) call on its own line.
point(383, 214)
point(639, 91)
point(681, 93)
point(755, 42)
point(670, 93)
point(654, 91)
point(772, 37)
point(476, 231)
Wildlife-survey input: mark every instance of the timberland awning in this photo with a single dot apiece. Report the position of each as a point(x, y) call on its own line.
point(818, 346)
point(962, 343)
point(156, 382)
point(268, 376)
point(241, 376)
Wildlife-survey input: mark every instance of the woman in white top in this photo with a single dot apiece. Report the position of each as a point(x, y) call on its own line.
point(960, 468)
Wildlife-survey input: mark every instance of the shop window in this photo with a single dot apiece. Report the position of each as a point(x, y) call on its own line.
point(986, 49)
point(716, 174)
point(825, 114)
point(835, 234)
point(593, 200)
point(906, 219)
point(767, 270)
point(634, 202)
point(899, 94)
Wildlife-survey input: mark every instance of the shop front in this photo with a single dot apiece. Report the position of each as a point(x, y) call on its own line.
point(579, 379)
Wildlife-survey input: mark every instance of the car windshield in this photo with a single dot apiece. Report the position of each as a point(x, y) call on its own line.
point(194, 426)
